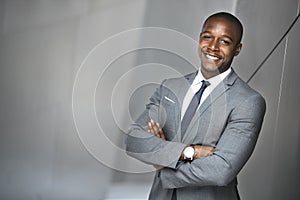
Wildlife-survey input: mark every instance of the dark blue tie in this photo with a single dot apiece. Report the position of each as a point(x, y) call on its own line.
point(189, 113)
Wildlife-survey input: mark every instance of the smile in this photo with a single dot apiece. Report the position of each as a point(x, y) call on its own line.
point(212, 57)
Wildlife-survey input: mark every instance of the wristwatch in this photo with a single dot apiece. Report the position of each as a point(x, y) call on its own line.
point(189, 153)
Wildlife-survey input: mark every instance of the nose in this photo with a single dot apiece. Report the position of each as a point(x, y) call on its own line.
point(213, 45)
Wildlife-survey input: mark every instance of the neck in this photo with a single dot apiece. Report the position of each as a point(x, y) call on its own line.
point(208, 75)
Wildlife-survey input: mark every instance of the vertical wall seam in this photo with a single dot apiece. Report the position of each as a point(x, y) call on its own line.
point(298, 7)
point(276, 132)
point(280, 85)
point(281, 79)
point(234, 6)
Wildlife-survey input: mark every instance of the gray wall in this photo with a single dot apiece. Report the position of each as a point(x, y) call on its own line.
point(273, 170)
point(42, 45)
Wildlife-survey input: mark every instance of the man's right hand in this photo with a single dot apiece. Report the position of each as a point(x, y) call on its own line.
point(154, 128)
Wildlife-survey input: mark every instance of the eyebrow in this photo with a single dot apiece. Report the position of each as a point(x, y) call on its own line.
point(226, 36)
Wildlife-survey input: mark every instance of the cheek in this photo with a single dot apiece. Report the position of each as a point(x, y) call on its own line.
point(202, 44)
point(229, 53)
point(200, 47)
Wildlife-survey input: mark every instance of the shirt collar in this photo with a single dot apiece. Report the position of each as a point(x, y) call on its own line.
point(214, 80)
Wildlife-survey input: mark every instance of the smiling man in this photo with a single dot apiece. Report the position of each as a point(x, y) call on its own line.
point(219, 43)
point(199, 130)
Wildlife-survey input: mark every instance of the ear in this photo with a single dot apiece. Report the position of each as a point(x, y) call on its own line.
point(238, 49)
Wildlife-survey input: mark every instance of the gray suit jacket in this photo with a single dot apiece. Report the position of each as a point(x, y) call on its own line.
point(229, 119)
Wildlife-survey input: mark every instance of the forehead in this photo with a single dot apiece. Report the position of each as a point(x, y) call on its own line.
point(222, 26)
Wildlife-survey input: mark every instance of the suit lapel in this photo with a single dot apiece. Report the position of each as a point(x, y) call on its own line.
point(183, 86)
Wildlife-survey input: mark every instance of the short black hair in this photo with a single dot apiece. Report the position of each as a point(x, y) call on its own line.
point(230, 18)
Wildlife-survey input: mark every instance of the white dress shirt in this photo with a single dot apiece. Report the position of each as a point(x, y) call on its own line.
point(195, 87)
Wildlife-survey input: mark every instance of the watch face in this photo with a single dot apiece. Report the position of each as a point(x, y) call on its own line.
point(189, 152)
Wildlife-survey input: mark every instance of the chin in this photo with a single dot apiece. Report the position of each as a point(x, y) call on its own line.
point(211, 69)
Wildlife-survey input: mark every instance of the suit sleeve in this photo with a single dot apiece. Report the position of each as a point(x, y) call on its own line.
point(145, 146)
point(232, 151)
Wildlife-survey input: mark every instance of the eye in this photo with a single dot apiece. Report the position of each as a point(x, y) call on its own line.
point(225, 42)
point(206, 37)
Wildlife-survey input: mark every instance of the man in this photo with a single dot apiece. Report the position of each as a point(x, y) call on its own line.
point(200, 130)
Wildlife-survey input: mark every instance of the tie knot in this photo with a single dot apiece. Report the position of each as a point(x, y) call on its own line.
point(203, 87)
point(205, 83)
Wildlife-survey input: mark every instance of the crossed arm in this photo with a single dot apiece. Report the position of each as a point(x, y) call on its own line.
point(200, 150)
point(147, 142)
point(217, 166)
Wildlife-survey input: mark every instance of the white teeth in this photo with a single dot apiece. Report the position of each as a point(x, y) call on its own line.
point(212, 57)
